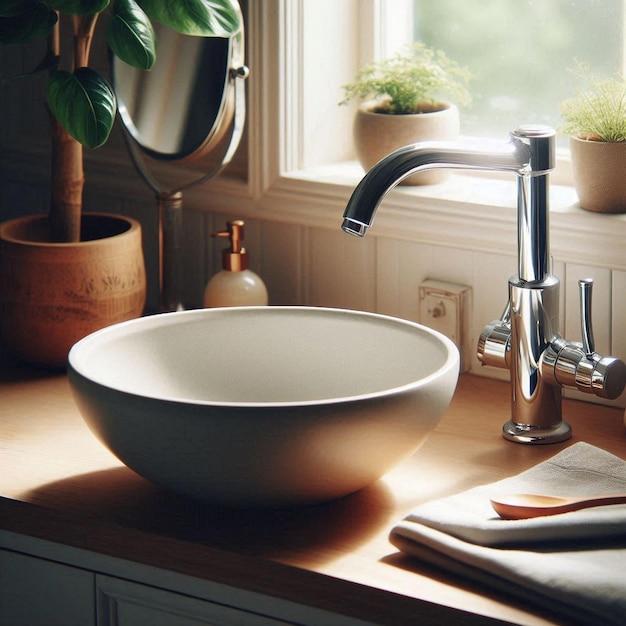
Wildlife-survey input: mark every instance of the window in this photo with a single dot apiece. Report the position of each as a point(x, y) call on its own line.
point(302, 52)
point(522, 53)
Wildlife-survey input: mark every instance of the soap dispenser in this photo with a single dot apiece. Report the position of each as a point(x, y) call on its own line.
point(235, 284)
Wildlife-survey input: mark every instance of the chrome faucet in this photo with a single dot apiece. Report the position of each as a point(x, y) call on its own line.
point(525, 339)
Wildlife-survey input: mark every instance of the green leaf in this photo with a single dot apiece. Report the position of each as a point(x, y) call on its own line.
point(83, 103)
point(11, 8)
point(205, 18)
point(79, 7)
point(33, 24)
point(130, 35)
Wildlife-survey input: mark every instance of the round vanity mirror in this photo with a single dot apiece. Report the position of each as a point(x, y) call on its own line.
point(190, 104)
point(183, 106)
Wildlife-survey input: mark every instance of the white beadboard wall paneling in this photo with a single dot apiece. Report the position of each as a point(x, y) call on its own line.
point(212, 250)
point(560, 271)
point(342, 270)
point(618, 315)
point(401, 267)
point(282, 249)
point(453, 265)
point(193, 258)
point(618, 321)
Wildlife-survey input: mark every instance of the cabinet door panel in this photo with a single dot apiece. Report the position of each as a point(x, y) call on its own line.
point(123, 603)
point(36, 592)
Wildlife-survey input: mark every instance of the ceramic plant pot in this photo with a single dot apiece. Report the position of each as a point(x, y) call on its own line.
point(53, 294)
point(378, 134)
point(599, 169)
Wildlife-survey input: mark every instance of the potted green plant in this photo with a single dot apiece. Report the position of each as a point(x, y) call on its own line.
point(405, 100)
point(595, 120)
point(60, 280)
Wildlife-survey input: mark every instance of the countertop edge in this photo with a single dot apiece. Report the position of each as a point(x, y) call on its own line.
point(252, 574)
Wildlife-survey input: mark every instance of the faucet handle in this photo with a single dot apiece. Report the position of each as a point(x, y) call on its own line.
point(606, 375)
point(494, 343)
point(577, 364)
point(585, 286)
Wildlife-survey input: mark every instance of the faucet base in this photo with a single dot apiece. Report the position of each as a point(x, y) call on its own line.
point(524, 433)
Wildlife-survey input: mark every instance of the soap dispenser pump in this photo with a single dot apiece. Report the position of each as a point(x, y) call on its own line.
point(235, 284)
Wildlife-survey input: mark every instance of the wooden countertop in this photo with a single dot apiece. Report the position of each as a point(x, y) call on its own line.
point(59, 483)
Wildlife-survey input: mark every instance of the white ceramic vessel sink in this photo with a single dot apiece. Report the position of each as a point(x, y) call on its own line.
point(263, 406)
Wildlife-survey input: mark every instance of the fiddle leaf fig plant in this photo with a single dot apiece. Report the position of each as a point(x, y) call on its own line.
point(412, 81)
point(81, 102)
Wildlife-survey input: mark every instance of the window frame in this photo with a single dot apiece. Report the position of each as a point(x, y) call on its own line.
point(468, 212)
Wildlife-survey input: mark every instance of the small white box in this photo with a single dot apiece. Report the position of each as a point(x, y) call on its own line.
point(446, 307)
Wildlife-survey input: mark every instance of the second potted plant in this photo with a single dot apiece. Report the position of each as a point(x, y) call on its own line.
point(405, 102)
point(595, 120)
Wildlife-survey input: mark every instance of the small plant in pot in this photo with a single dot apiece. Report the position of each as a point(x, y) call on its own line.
point(405, 100)
point(595, 120)
point(58, 284)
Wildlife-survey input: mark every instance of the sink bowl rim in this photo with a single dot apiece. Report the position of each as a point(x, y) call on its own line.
point(76, 369)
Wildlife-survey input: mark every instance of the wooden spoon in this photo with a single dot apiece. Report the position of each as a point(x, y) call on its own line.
point(525, 505)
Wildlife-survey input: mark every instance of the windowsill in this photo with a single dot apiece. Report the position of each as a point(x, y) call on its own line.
point(477, 188)
point(296, 124)
point(467, 211)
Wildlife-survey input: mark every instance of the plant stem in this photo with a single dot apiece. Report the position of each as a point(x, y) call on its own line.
point(67, 177)
point(84, 26)
point(67, 180)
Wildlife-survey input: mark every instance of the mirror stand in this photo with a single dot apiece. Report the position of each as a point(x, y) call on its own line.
point(170, 201)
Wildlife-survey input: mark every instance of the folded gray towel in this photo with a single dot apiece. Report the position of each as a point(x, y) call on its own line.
point(573, 564)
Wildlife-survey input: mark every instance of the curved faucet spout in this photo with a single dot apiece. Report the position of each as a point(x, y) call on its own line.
point(526, 340)
point(512, 156)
